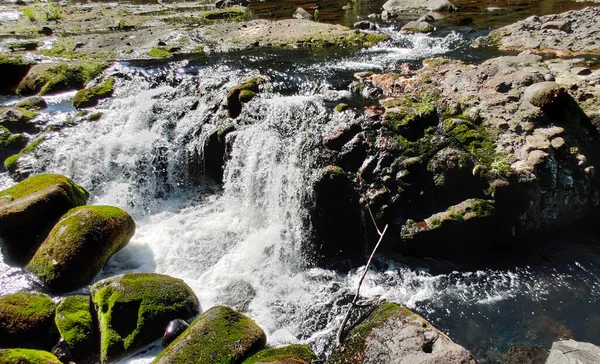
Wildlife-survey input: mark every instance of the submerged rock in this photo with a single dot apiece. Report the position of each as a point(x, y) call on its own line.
point(134, 309)
point(27, 356)
point(395, 335)
point(76, 325)
point(79, 245)
point(29, 209)
point(571, 351)
point(291, 354)
point(27, 321)
point(220, 335)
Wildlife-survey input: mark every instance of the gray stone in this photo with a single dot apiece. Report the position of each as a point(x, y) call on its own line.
point(302, 14)
point(573, 352)
point(398, 6)
point(417, 27)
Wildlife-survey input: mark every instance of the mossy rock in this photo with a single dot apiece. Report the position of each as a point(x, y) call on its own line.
point(135, 308)
point(394, 334)
point(50, 78)
point(89, 97)
point(27, 321)
point(27, 356)
point(29, 209)
point(76, 325)
point(221, 335)
point(17, 119)
point(10, 143)
point(79, 245)
point(32, 103)
point(12, 69)
point(242, 93)
point(12, 163)
point(291, 354)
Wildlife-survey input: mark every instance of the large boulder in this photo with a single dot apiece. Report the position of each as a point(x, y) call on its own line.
point(399, 6)
point(27, 356)
point(47, 78)
point(32, 103)
point(79, 245)
point(29, 209)
point(573, 352)
point(395, 335)
point(76, 325)
point(291, 354)
point(220, 335)
point(134, 309)
point(27, 321)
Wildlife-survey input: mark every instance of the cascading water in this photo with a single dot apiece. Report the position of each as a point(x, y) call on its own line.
point(241, 244)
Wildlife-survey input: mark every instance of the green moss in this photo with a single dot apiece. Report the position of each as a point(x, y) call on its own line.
point(27, 356)
point(94, 116)
point(246, 95)
point(355, 342)
point(75, 323)
point(159, 53)
point(220, 335)
point(294, 353)
point(63, 48)
point(25, 317)
point(11, 162)
point(89, 97)
point(12, 61)
point(341, 107)
point(47, 78)
point(31, 185)
point(9, 140)
point(134, 309)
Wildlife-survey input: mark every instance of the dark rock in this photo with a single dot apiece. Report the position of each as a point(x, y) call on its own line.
point(17, 120)
point(241, 94)
point(46, 31)
point(525, 355)
point(27, 321)
point(48, 78)
point(173, 330)
point(214, 153)
point(548, 96)
point(564, 26)
point(338, 138)
point(365, 25)
point(394, 334)
point(29, 209)
point(426, 18)
point(134, 309)
point(226, 3)
point(336, 219)
point(12, 69)
point(452, 171)
point(79, 245)
point(220, 335)
point(10, 143)
point(62, 351)
point(300, 13)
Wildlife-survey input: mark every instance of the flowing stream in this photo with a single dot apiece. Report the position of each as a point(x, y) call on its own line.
point(239, 244)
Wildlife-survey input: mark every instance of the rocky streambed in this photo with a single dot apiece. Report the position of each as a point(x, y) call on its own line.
point(257, 181)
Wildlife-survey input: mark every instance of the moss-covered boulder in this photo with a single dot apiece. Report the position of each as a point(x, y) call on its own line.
point(466, 229)
point(89, 97)
point(27, 356)
point(27, 321)
point(17, 119)
point(29, 209)
point(76, 325)
point(241, 94)
point(47, 78)
point(12, 69)
point(394, 334)
point(220, 335)
point(16, 165)
point(32, 103)
point(79, 245)
point(291, 354)
point(134, 309)
point(10, 143)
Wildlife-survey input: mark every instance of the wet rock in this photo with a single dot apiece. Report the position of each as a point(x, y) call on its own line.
point(13, 69)
point(134, 309)
point(29, 209)
point(214, 153)
point(219, 335)
point(79, 245)
point(10, 143)
point(62, 351)
point(300, 13)
point(89, 97)
point(19, 167)
point(27, 321)
point(32, 103)
point(428, 18)
point(27, 356)
point(173, 330)
point(525, 355)
point(225, 3)
point(76, 327)
point(365, 25)
point(452, 171)
point(564, 26)
point(336, 218)
point(398, 6)
point(241, 94)
point(393, 334)
point(548, 96)
point(46, 31)
point(17, 120)
point(571, 351)
point(48, 78)
point(338, 138)
point(237, 295)
point(291, 354)
point(417, 27)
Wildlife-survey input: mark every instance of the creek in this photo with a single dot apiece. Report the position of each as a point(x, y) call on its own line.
point(239, 243)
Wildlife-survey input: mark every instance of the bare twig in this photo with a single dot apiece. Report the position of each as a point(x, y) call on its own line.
point(340, 333)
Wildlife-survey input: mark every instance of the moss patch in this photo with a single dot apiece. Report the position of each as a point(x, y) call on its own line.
point(27, 356)
point(296, 354)
point(75, 194)
point(79, 245)
point(89, 97)
point(159, 53)
point(75, 324)
point(50, 78)
point(11, 162)
point(9, 140)
point(221, 335)
point(134, 309)
point(26, 320)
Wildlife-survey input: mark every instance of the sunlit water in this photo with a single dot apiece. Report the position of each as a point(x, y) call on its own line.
point(239, 244)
